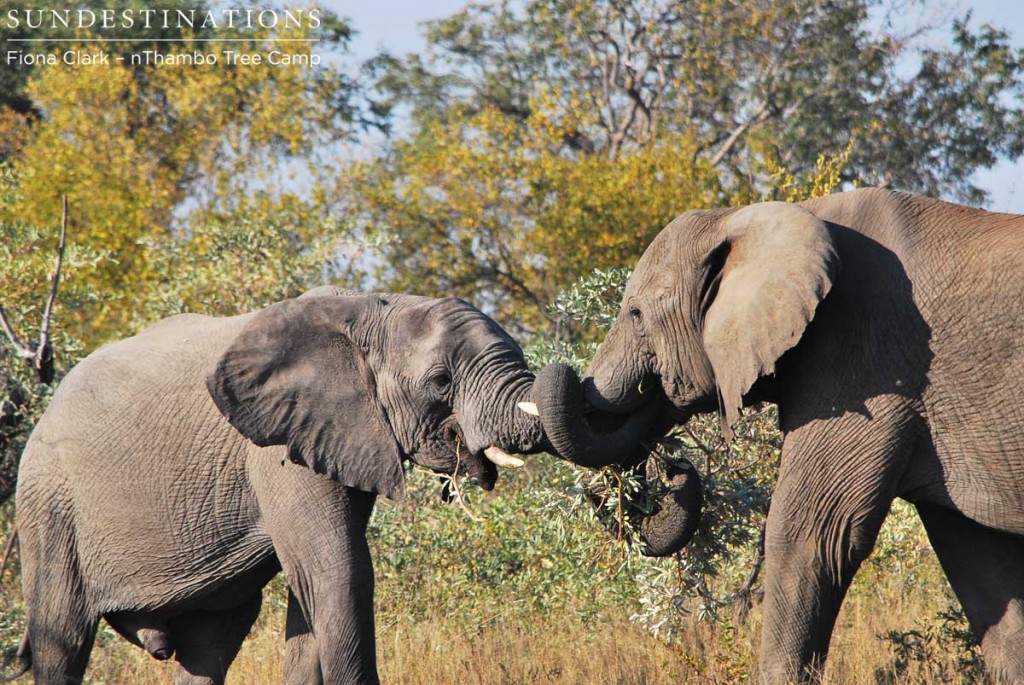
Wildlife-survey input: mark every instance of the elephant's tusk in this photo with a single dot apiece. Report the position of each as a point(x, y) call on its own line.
point(529, 407)
point(501, 458)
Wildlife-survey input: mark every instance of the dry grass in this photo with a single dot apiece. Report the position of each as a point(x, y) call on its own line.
point(507, 640)
point(516, 650)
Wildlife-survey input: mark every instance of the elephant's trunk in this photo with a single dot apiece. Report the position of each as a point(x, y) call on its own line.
point(560, 403)
point(559, 398)
point(675, 520)
point(529, 431)
point(619, 379)
point(514, 431)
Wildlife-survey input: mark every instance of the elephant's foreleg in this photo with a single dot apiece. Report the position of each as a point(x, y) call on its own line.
point(986, 569)
point(318, 528)
point(302, 659)
point(836, 483)
point(336, 602)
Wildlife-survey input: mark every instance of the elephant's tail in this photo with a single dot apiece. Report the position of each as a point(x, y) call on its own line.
point(22, 654)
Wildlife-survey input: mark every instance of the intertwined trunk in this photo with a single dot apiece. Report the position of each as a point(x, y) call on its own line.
point(559, 397)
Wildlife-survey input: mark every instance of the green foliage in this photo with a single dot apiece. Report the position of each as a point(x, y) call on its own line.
point(236, 263)
point(927, 649)
point(533, 553)
point(707, 575)
point(713, 575)
point(28, 254)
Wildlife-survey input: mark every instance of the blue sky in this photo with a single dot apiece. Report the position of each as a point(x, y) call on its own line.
point(395, 25)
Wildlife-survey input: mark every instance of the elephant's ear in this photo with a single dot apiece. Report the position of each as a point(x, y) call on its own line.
point(294, 376)
point(762, 286)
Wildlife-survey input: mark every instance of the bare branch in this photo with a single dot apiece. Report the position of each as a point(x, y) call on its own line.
point(44, 336)
point(23, 350)
point(7, 551)
point(745, 596)
point(763, 113)
point(42, 355)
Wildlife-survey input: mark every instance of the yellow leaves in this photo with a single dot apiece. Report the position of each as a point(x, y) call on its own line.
point(822, 180)
point(493, 208)
point(129, 144)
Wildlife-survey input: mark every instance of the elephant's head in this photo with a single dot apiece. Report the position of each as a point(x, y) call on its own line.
point(355, 384)
point(713, 303)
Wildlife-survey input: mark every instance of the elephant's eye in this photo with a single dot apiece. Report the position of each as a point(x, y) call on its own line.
point(441, 380)
point(636, 314)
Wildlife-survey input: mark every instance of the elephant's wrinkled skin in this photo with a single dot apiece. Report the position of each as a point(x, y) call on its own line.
point(176, 472)
point(889, 328)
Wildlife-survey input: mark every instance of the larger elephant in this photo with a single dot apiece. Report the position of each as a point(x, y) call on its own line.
point(176, 472)
point(889, 328)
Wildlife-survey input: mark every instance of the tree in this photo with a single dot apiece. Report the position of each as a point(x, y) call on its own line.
point(488, 207)
point(36, 261)
point(138, 148)
point(15, 25)
point(550, 137)
point(752, 80)
point(239, 262)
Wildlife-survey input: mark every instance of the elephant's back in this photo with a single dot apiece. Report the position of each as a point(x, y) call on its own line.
point(964, 272)
point(127, 385)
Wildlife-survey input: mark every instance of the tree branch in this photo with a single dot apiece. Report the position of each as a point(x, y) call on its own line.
point(24, 351)
point(738, 132)
point(745, 596)
point(7, 551)
point(42, 355)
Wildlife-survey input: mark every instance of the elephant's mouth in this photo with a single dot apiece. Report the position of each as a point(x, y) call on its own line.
point(444, 452)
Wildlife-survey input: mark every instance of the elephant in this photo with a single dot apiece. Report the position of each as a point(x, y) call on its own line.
point(888, 329)
point(176, 472)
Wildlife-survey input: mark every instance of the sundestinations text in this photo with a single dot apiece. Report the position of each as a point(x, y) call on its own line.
point(248, 18)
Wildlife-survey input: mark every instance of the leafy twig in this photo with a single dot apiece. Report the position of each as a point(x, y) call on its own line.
point(453, 485)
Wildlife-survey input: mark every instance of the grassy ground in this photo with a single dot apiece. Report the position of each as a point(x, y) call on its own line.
point(514, 603)
point(550, 649)
point(520, 650)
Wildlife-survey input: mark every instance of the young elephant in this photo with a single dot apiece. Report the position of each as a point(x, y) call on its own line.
point(176, 472)
point(889, 328)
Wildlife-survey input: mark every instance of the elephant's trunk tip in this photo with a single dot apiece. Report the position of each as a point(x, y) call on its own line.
point(671, 528)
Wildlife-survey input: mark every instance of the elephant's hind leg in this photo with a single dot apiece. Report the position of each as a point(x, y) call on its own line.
point(60, 647)
point(207, 642)
point(986, 569)
point(61, 622)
